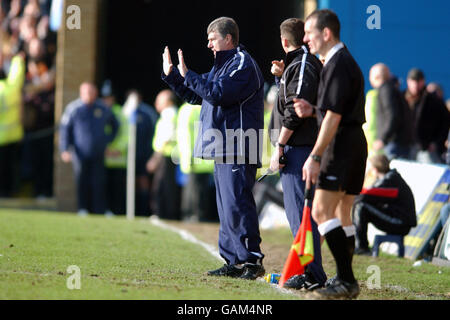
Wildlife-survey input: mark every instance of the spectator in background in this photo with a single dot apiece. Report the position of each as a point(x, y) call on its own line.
point(198, 201)
point(388, 204)
point(431, 119)
point(370, 109)
point(394, 119)
point(146, 121)
point(167, 192)
point(116, 157)
point(11, 129)
point(435, 88)
point(87, 126)
point(39, 102)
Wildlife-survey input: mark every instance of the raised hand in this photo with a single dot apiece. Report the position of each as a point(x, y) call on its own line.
point(303, 108)
point(181, 65)
point(277, 68)
point(167, 61)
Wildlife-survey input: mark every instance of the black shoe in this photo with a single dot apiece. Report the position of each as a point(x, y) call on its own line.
point(330, 281)
point(252, 271)
point(227, 271)
point(338, 290)
point(299, 281)
point(363, 251)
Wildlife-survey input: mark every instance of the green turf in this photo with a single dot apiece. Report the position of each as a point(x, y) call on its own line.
point(118, 259)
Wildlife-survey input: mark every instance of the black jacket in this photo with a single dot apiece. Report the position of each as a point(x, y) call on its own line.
point(394, 118)
point(401, 205)
point(300, 79)
point(431, 121)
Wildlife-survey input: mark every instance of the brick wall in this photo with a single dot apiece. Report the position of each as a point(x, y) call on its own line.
point(76, 62)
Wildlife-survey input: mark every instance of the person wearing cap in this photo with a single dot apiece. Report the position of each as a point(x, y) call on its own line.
point(430, 119)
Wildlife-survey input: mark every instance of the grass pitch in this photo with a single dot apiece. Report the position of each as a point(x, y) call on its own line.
point(118, 259)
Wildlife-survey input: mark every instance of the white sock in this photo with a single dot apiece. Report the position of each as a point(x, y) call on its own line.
point(329, 225)
point(349, 230)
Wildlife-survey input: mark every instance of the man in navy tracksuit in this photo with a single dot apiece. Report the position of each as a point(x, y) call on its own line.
point(88, 126)
point(297, 77)
point(231, 118)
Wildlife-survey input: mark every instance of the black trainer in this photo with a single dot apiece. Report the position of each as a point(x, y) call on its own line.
point(338, 290)
point(330, 281)
point(363, 251)
point(252, 271)
point(227, 271)
point(299, 281)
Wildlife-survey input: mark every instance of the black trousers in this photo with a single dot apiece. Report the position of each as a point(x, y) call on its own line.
point(42, 163)
point(167, 191)
point(116, 186)
point(9, 169)
point(364, 213)
point(198, 200)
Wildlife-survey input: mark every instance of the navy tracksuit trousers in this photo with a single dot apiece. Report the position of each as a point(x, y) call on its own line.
point(294, 199)
point(90, 177)
point(239, 238)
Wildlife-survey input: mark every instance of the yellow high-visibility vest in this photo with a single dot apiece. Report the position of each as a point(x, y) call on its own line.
point(120, 142)
point(188, 115)
point(164, 140)
point(11, 129)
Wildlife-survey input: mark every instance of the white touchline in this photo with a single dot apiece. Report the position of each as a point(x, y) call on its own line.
point(210, 248)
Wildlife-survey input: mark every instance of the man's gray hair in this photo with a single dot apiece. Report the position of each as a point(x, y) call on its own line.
point(224, 26)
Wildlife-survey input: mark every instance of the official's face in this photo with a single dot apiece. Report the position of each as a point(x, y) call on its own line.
point(217, 43)
point(313, 36)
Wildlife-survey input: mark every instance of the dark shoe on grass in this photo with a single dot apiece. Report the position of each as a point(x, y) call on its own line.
point(252, 271)
point(227, 271)
point(299, 281)
point(338, 290)
point(363, 252)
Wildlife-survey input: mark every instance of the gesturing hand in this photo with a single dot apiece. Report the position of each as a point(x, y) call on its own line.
point(303, 108)
point(277, 68)
point(167, 61)
point(181, 65)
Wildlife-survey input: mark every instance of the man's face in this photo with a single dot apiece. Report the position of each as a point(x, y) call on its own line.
point(313, 36)
point(88, 94)
point(415, 86)
point(217, 43)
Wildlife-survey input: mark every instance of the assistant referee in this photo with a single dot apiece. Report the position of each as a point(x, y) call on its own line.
point(338, 160)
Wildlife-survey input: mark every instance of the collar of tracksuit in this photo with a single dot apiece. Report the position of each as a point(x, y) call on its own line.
point(291, 55)
point(225, 55)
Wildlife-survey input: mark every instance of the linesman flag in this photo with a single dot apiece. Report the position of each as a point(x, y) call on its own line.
point(302, 249)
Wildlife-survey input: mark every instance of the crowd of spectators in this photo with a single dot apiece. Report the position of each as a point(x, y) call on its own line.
point(27, 55)
point(413, 124)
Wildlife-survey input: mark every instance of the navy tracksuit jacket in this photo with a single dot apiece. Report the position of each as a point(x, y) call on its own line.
point(232, 99)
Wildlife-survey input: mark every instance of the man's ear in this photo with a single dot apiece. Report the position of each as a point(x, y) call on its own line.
point(229, 39)
point(326, 34)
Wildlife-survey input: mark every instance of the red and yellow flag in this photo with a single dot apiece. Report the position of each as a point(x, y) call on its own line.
point(302, 249)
